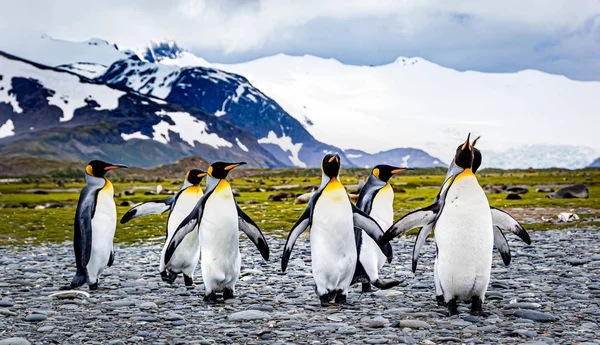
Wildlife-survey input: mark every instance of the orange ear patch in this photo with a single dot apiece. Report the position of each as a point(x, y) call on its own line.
point(89, 170)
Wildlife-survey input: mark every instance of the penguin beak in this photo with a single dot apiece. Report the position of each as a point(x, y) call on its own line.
point(467, 143)
point(475, 141)
point(335, 157)
point(115, 166)
point(398, 170)
point(202, 174)
point(234, 165)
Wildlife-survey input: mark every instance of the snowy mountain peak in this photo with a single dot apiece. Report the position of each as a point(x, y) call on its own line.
point(158, 51)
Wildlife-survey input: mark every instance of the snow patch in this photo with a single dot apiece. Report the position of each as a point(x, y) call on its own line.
point(286, 144)
point(239, 91)
point(134, 135)
point(353, 155)
point(241, 145)
point(189, 128)
point(69, 92)
point(7, 129)
point(405, 161)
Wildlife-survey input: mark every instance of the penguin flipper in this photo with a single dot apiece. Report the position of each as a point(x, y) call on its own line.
point(502, 245)
point(505, 221)
point(82, 238)
point(299, 227)
point(414, 219)
point(148, 207)
point(187, 225)
point(364, 222)
point(253, 232)
point(421, 238)
point(111, 259)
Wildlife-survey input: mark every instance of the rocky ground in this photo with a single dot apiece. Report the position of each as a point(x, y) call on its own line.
point(550, 294)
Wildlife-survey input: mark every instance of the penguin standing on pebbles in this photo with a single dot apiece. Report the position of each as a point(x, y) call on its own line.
point(375, 199)
point(95, 224)
point(334, 224)
point(185, 258)
point(466, 229)
point(218, 219)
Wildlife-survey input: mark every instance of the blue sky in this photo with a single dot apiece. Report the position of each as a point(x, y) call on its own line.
point(556, 36)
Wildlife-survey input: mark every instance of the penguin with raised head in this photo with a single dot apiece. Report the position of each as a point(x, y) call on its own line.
point(335, 226)
point(185, 258)
point(465, 233)
point(95, 224)
point(219, 220)
point(375, 199)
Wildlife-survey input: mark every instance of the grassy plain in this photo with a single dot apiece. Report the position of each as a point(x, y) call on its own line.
point(22, 223)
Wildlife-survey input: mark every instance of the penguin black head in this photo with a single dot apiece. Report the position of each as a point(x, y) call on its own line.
point(195, 176)
point(221, 169)
point(384, 172)
point(464, 154)
point(331, 165)
point(98, 168)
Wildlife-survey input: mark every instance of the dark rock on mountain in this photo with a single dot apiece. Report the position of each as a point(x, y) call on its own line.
point(229, 97)
point(409, 157)
point(55, 114)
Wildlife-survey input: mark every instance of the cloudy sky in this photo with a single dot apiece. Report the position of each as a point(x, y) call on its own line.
point(557, 36)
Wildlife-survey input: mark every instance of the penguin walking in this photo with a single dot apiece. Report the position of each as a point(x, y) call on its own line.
point(95, 224)
point(218, 219)
point(466, 229)
point(185, 258)
point(335, 226)
point(375, 199)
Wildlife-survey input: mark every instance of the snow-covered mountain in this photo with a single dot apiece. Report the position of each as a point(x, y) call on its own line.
point(403, 157)
point(541, 156)
point(413, 102)
point(53, 113)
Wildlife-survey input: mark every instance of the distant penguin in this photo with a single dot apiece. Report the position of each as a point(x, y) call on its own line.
point(219, 219)
point(95, 224)
point(185, 258)
point(335, 226)
point(465, 232)
point(375, 199)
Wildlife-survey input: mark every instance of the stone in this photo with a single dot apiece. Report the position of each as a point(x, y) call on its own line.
point(14, 341)
point(35, 317)
point(247, 315)
point(414, 324)
point(535, 315)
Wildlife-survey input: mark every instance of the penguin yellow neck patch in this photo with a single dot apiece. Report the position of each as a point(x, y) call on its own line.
point(465, 173)
point(107, 185)
point(333, 185)
point(223, 184)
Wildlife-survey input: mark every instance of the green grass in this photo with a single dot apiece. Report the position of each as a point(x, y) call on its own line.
point(28, 225)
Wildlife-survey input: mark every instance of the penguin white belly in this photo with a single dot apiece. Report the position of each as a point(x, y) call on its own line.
point(382, 211)
point(332, 240)
point(464, 237)
point(186, 255)
point(219, 240)
point(104, 223)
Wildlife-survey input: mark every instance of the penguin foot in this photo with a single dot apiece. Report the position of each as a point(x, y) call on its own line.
point(168, 277)
point(440, 301)
point(341, 298)
point(383, 285)
point(477, 307)
point(228, 294)
point(94, 286)
point(324, 300)
point(366, 287)
point(189, 282)
point(211, 298)
point(452, 307)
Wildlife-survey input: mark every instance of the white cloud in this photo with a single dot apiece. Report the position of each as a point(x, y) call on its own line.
point(484, 35)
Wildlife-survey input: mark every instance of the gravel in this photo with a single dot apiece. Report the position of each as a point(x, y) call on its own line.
point(549, 295)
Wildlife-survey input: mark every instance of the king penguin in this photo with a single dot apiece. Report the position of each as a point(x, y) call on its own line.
point(466, 229)
point(219, 219)
point(375, 199)
point(185, 258)
point(95, 224)
point(334, 223)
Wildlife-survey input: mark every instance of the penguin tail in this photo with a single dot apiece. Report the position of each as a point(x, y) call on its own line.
point(383, 285)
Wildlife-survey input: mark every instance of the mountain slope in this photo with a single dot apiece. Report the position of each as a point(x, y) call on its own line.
point(227, 96)
point(402, 157)
point(416, 103)
point(595, 163)
point(54, 114)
